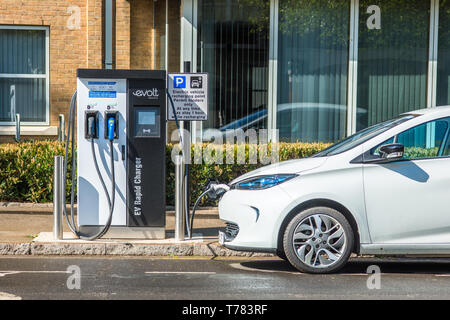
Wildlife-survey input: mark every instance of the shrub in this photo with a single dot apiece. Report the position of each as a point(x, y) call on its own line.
point(26, 169)
point(417, 153)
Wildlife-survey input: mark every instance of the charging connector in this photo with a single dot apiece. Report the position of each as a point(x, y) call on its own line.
point(213, 190)
point(111, 125)
point(91, 125)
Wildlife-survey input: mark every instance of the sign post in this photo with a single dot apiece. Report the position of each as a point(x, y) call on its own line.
point(188, 101)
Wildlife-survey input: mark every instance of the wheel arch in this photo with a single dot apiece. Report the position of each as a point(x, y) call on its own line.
point(320, 203)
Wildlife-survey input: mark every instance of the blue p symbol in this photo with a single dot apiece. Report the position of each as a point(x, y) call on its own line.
point(179, 82)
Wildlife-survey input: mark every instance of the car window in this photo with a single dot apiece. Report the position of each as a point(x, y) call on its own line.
point(446, 148)
point(362, 136)
point(425, 140)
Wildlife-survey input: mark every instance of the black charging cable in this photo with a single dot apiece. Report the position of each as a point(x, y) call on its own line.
point(70, 145)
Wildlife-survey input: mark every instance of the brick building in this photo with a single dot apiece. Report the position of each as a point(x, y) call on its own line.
point(316, 70)
point(43, 42)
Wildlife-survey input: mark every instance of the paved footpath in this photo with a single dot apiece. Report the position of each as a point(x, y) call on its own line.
point(25, 229)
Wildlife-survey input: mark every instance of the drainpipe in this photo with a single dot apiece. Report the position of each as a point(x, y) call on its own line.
point(153, 37)
point(108, 34)
point(166, 49)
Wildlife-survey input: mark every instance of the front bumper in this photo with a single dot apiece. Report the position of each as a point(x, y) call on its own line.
point(231, 231)
point(254, 216)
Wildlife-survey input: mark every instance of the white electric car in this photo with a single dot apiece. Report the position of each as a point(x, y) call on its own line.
point(384, 190)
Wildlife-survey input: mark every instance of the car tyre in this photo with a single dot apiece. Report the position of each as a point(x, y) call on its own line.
point(318, 240)
point(280, 254)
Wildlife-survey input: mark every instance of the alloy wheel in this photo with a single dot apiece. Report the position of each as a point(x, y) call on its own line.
point(319, 241)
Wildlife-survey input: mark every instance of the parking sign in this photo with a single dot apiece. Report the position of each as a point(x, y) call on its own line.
point(189, 93)
point(179, 82)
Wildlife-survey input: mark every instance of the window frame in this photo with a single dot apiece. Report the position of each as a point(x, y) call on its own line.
point(45, 76)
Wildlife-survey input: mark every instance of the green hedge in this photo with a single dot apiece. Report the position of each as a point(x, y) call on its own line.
point(26, 169)
point(417, 153)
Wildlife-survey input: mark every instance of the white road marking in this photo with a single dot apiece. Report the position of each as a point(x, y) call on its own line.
point(241, 267)
point(9, 296)
point(5, 273)
point(178, 272)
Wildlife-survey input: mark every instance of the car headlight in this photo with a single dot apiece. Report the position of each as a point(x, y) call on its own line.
point(263, 182)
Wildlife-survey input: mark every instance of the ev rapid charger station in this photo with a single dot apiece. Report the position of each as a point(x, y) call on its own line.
point(124, 110)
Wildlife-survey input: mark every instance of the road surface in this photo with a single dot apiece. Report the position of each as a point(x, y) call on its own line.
point(226, 278)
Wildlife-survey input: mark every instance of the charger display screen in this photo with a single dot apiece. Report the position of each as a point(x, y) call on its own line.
point(147, 121)
point(146, 117)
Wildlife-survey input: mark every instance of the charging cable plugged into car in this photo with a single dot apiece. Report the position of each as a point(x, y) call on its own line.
point(213, 190)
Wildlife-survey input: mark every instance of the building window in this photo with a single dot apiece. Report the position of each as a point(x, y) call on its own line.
point(312, 70)
point(443, 65)
point(24, 74)
point(336, 67)
point(392, 59)
point(233, 47)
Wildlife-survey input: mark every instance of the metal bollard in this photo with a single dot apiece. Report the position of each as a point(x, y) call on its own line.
point(61, 128)
point(58, 198)
point(179, 198)
point(17, 137)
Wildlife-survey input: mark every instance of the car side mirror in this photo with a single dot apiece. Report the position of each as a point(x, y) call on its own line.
point(391, 152)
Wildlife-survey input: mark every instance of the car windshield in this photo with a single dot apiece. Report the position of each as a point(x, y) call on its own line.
point(362, 136)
